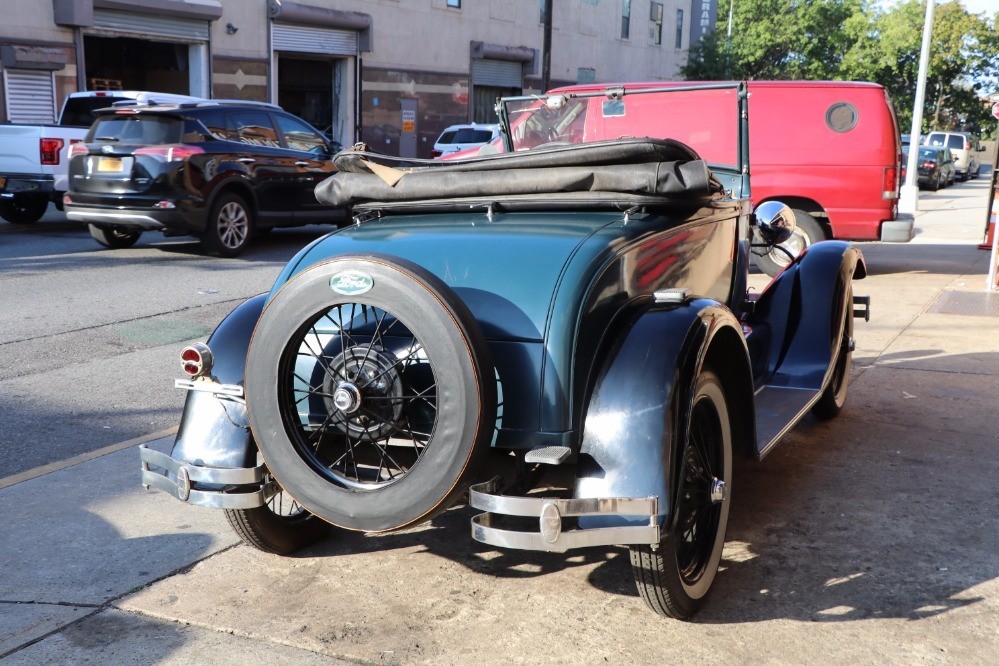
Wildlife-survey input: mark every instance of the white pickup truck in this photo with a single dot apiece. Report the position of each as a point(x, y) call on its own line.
point(34, 163)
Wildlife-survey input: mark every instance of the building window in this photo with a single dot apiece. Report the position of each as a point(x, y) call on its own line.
point(679, 28)
point(656, 29)
point(454, 3)
point(625, 19)
point(586, 75)
point(544, 3)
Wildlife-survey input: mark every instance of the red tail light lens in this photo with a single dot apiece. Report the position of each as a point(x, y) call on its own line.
point(436, 153)
point(170, 153)
point(77, 148)
point(48, 150)
point(889, 186)
point(930, 165)
point(196, 360)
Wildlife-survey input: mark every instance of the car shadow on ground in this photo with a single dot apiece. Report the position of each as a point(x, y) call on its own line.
point(850, 519)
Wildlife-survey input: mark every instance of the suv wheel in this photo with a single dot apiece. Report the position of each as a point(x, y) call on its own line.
point(23, 210)
point(230, 226)
point(116, 238)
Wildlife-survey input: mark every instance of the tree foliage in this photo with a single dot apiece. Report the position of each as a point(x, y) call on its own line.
point(864, 41)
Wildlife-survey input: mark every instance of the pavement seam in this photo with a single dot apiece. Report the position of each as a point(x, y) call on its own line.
point(30, 474)
point(110, 603)
point(20, 602)
point(238, 299)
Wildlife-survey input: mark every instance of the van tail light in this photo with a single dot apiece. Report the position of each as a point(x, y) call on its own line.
point(78, 148)
point(48, 150)
point(196, 360)
point(170, 153)
point(889, 186)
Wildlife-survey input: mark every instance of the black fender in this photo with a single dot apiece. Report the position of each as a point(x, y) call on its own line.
point(642, 394)
point(796, 319)
point(216, 432)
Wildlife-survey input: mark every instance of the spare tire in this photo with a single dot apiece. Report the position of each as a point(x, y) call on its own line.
point(370, 392)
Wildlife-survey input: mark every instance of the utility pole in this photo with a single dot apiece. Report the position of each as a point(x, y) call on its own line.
point(546, 57)
point(909, 199)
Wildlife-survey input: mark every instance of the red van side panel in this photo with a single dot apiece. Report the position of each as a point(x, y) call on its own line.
point(795, 154)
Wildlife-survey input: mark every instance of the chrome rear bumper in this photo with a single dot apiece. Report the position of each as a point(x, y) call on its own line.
point(549, 511)
point(235, 488)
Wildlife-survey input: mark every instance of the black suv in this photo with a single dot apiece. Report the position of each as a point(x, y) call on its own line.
point(220, 170)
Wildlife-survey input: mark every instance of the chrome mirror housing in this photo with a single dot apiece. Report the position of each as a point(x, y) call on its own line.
point(775, 222)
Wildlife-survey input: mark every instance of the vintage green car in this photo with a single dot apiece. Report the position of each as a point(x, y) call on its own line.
point(560, 336)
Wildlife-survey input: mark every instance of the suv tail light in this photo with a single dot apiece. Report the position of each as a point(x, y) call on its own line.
point(78, 148)
point(48, 150)
point(170, 153)
point(436, 153)
point(889, 186)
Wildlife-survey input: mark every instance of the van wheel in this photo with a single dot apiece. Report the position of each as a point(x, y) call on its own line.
point(230, 226)
point(808, 231)
point(116, 238)
point(23, 210)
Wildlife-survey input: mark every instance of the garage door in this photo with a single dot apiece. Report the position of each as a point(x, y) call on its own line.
point(30, 96)
point(304, 39)
point(499, 73)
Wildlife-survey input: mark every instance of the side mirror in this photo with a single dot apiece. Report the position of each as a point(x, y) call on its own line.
point(775, 222)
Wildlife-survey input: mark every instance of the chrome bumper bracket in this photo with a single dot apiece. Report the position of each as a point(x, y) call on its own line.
point(251, 495)
point(550, 512)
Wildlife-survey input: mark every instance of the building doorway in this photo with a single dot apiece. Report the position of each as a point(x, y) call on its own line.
point(126, 63)
point(307, 88)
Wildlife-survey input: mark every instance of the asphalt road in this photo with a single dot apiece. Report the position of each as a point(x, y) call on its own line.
point(90, 337)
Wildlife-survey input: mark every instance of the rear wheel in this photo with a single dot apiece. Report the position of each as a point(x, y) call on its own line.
point(23, 210)
point(807, 231)
point(281, 526)
point(674, 579)
point(370, 392)
point(115, 238)
point(230, 226)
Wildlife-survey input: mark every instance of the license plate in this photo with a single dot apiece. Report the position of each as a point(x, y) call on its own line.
point(109, 165)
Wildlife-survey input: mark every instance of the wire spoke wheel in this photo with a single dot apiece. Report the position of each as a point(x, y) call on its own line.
point(674, 578)
point(358, 395)
point(370, 392)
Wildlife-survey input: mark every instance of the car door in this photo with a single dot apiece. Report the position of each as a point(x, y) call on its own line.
point(270, 168)
point(311, 155)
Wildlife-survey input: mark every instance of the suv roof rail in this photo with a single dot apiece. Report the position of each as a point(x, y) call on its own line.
point(239, 102)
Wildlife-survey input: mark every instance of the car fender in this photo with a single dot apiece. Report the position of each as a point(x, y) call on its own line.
point(215, 432)
point(795, 331)
point(644, 386)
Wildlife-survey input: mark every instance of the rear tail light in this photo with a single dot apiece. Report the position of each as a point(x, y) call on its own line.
point(930, 165)
point(436, 153)
point(889, 187)
point(171, 153)
point(78, 148)
point(66, 199)
point(196, 360)
point(48, 150)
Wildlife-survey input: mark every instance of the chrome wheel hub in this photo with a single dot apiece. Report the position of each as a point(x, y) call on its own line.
point(347, 398)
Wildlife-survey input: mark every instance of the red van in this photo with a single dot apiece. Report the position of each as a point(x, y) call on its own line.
point(829, 149)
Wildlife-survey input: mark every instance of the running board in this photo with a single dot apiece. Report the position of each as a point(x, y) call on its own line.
point(778, 409)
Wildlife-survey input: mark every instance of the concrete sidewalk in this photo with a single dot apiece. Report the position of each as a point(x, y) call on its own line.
point(869, 538)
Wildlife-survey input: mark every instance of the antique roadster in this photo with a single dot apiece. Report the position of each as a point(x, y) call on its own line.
point(560, 336)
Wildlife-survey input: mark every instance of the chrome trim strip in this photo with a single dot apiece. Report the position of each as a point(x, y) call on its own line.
point(483, 532)
point(481, 496)
point(208, 386)
point(187, 474)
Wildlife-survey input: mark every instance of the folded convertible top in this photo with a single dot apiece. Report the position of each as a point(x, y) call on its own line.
point(612, 174)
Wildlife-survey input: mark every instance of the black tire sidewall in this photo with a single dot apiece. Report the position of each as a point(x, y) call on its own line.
point(211, 237)
point(466, 407)
point(24, 210)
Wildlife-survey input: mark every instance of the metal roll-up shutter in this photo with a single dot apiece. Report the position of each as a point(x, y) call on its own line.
point(499, 73)
point(188, 30)
point(30, 96)
point(303, 39)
